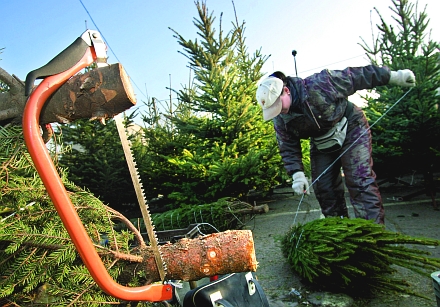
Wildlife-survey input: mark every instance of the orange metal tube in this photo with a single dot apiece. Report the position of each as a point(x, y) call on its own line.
point(61, 200)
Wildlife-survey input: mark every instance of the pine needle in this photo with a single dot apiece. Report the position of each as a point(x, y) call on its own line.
point(355, 255)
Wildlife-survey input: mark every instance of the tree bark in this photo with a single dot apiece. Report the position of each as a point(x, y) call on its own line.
point(219, 253)
point(215, 254)
point(100, 94)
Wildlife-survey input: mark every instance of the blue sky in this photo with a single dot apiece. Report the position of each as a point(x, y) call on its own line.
point(324, 33)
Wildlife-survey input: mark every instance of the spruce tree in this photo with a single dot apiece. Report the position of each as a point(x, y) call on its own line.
point(161, 143)
point(229, 150)
point(355, 256)
point(211, 144)
point(406, 139)
point(39, 264)
point(95, 161)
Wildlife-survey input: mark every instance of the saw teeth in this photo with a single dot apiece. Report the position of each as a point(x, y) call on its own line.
point(161, 266)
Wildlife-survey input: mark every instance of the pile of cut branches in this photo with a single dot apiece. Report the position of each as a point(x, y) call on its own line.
point(355, 256)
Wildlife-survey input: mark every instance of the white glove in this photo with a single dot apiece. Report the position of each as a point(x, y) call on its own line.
point(300, 184)
point(403, 77)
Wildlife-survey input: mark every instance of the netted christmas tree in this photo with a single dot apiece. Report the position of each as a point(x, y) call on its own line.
point(224, 214)
point(355, 256)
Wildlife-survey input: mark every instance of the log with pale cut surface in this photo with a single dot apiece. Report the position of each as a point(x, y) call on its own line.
point(100, 94)
point(193, 259)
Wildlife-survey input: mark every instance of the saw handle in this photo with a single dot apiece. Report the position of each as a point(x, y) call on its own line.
point(62, 62)
point(57, 192)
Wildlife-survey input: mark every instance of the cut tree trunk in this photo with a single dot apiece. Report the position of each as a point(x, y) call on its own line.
point(100, 94)
point(215, 254)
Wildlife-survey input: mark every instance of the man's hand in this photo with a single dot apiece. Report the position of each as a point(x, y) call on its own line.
point(403, 77)
point(300, 184)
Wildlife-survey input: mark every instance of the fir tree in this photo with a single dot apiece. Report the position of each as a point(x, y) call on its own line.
point(209, 145)
point(38, 261)
point(406, 139)
point(355, 256)
point(95, 161)
point(229, 150)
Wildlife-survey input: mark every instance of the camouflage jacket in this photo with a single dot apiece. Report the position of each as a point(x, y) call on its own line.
point(318, 103)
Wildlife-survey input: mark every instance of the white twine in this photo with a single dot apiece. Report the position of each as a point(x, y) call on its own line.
point(352, 144)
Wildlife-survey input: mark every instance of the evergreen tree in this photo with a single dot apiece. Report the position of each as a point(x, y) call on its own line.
point(355, 256)
point(212, 144)
point(406, 139)
point(96, 162)
point(160, 141)
point(227, 148)
point(39, 264)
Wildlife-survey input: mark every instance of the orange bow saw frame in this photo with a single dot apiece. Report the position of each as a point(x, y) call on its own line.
point(83, 52)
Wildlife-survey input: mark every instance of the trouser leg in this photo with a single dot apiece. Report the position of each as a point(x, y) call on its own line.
point(328, 185)
point(360, 178)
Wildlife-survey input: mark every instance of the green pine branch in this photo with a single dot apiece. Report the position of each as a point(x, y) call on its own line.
point(38, 262)
point(352, 254)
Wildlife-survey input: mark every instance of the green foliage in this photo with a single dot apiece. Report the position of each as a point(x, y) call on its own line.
point(305, 147)
point(406, 139)
point(211, 144)
point(96, 161)
point(355, 255)
point(38, 262)
point(152, 156)
point(222, 215)
point(215, 140)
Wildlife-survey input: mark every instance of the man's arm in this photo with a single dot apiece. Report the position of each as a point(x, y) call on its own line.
point(343, 83)
point(290, 149)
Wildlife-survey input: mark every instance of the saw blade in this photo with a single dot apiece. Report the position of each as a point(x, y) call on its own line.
point(141, 197)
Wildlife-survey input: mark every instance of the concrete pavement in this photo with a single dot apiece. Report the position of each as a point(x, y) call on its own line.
point(415, 217)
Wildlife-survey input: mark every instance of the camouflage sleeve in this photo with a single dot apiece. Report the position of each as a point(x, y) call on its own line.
point(290, 149)
point(329, 89)
point(343, 83)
